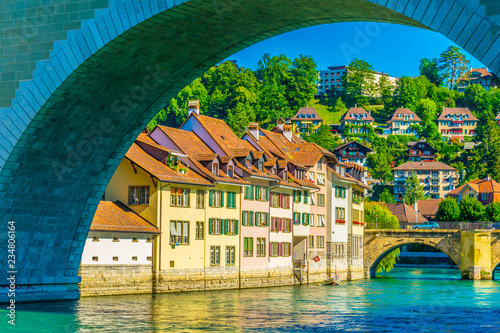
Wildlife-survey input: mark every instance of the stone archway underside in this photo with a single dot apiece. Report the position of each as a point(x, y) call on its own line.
point(69, 126)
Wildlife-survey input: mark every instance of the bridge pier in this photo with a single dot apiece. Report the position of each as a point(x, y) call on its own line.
point(476, 263)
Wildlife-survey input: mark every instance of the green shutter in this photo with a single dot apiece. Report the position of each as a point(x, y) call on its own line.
point(251, 192)
point(211, 198)
point(210, 226)
point(267, 199)
point(267, 219)
point(250, 218)
point(222, 198)
point(304, 219)
point(244, 217)
point(257, 218)
point(245, 244)
point(237, 226)
point(300, 196)
point(250, 244)
point(226, 226)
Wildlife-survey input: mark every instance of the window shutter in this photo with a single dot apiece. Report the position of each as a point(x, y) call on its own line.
point(280, 249)
point(250, 245)
point(267, 197)
point(250, 218)
point(270, 249)
point(211, 198)
point(251, 192)
point(256, 192)
point(273, 220)
point(245, 244)
point(244, 217)
point(279, 224)
point(267, 219)
point(300, 196)
point(237, 226)
point(225, 225)
point(210, 226)
point(222, 198)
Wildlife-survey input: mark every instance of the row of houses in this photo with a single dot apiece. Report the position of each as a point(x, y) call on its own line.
point(216, 211)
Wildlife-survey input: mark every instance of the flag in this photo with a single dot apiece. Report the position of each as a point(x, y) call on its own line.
point(316, 259)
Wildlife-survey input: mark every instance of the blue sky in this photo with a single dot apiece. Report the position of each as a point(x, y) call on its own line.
point(390, 48)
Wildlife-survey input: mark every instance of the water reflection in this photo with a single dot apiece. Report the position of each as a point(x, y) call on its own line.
point(404, 300)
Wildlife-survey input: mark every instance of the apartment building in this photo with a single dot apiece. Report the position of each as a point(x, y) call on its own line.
point(437, 178)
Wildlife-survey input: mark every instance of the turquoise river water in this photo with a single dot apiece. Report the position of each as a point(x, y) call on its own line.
point(405, 300)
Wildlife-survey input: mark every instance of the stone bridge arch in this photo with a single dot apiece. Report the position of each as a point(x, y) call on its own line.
point(379, 243)
point(78, 86)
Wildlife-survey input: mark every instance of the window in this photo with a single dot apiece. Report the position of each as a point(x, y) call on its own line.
point(249, 192)
point(340, 192)
point(134, 258)
point(306, 197)
point(484, 196)
point(222, 226)
point(339, 214)
point(311, 241)
point(115, 258)
point(297, 196)
point(95, 238)
point(261, 247)
point(95, 258)
point(230, 254)
point(320, 241)
point(280, 200)
point(138, 195)
point(149, 258)
point(215, 169)
point(311, 176)
point(261, 219)
point(179, 197)
point(248, 246)
point(116, 239)
point(321, 179)
point(231, 200)
point(306, 219)
point(200, 230)
point(273, 249)
point(230, 171)
point(247, 218)
point(311, 220)
point(134, 239)
point(321, 220)
point(287, 249)
point(321, 199)
point(179, 232)
point(261, 165)
point(296, 218)
point(319, 165)
point(216, 199)
point(262, 193)
point(214, 255)
point(200, 199)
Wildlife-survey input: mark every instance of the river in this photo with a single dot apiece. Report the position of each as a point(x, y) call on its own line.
point(406, 300)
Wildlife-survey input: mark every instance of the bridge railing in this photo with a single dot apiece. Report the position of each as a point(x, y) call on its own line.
point(465, 226)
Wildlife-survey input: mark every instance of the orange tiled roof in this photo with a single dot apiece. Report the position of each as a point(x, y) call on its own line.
point(436, 166)
point(403, 111)
point(458, 111)
point(160, 170)
point(302, 183)
point(115, 216)
point(485, 186)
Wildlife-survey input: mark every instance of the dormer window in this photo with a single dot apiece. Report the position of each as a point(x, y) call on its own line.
point(230, 172)
point(261, 166)
point(215, 169)
point(273, 171)
point(285, 175)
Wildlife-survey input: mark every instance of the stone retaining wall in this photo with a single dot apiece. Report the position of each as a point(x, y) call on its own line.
point(99, 280)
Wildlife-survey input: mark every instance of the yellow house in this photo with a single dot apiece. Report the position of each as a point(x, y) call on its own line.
point(306, 121)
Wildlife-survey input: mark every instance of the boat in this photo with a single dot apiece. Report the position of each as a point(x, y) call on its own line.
point(331, 282)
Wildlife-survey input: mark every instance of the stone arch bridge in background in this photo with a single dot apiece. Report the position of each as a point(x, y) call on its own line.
point(476, 253)
point(80, 79)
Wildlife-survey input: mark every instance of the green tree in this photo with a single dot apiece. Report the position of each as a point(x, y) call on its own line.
point(471, 209)
point(302, 86)
point(324, 138)
point(493, 211)
point(359, 82)
point(339, 106)
point(378, 216)
point(410, 91)
point(427, 111)
point(239, 117)
point(448, 210)
point(414, 190)
point(385, 90)
point(430, 69)
point(386, 196)
point(380, 165)
point(453, 64)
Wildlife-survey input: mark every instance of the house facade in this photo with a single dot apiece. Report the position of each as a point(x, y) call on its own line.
point(306, 121)
point(479, 76)
point(437, 178)
point(457, 122)
point(352, 152)
point(403, 121)
point(357, 119)
point(420, 151)
point(484, 190)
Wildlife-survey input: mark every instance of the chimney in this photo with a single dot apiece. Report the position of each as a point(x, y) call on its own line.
point(280, 123)
point(488, 177)
point(194, 106)
point(253, 128)
point(287, 132)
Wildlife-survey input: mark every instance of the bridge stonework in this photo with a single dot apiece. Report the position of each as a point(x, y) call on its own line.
point(476, 253)
point(80, 79)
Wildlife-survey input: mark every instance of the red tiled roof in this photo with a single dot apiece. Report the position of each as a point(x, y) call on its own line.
point(115, 216)
point(405, 213)
point(457, 111)
point(428, 208)
point(349, 114)
point(403, 111)
point(307, 114)
point(435, 166)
